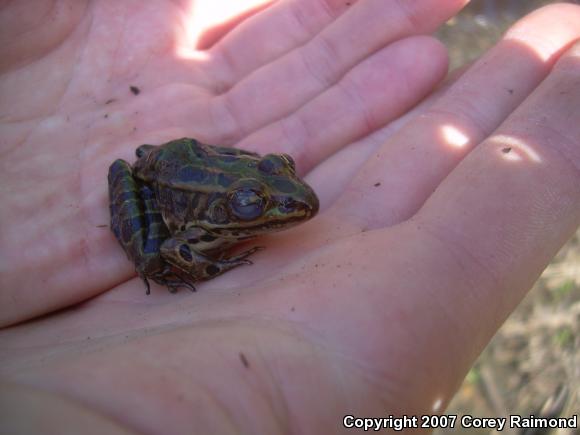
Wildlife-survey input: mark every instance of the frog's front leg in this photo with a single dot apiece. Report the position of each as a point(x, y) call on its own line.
point(193, 251)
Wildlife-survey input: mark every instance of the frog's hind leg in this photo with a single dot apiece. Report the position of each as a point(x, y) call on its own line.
point(139, 227)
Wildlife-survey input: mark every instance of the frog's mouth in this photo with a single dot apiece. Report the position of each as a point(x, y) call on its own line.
point(270, 223)
point(287, 215)
point(240, 233)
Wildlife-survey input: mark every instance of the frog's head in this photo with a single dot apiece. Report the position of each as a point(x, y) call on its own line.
point(269, 198)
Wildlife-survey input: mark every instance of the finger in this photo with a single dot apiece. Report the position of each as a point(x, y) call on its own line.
point(282, 27)
point(436, 287)
point(372, 94)
point(370, 25)
point(495, 222)
point(312, 67)
point(413, 162)
point(342, 167)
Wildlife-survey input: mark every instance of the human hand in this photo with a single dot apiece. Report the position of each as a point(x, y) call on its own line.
point(266, 84)
point(433, 229)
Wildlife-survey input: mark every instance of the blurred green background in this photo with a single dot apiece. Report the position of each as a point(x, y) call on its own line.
point(534, 357)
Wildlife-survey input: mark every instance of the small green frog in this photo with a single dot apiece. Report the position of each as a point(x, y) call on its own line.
point(181, 207)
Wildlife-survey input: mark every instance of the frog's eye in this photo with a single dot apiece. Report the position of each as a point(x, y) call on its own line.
point(247, 204)
point(272, 164)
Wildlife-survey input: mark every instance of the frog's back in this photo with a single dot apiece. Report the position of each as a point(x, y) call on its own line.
point(189, 177)
point(188, 165)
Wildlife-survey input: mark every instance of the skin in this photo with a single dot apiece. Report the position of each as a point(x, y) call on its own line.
point(436, 217)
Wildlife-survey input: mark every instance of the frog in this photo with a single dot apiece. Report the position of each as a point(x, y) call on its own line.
point(183, 206)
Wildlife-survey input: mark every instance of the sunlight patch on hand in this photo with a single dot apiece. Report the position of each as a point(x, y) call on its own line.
point(194, 21)
point(454, 137)
point(184, 51)
point(515, 150)
point(201, 17)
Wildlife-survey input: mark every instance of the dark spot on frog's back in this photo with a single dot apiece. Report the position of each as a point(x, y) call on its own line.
point(191, 174)
point(181, 200)
point(225, 180)
point(266, 166)
point(283, 185)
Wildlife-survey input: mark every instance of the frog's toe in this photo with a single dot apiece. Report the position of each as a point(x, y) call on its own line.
point(244, 255)
point(147, 286)
point(173, 285)
point(187, 285)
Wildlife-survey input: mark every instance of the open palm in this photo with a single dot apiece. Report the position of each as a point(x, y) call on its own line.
point(71, 110)
point(380, 303)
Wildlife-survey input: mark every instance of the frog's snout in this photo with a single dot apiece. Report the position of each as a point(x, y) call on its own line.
point(310, 203)
point(312, 206)
point(308, 208)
